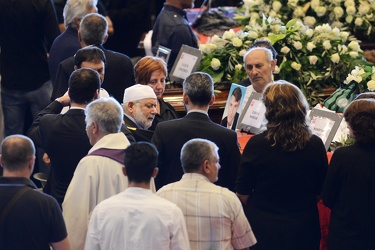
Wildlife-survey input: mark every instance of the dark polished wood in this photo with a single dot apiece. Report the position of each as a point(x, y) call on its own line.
point(174, 97)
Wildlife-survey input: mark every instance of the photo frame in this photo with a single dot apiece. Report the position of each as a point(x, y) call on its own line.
point(163, 53)
point(252, 117)
point(187, 61)
point(324, 124)
point(234, 106)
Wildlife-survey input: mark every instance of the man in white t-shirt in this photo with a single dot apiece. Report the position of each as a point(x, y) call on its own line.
point(137, 218)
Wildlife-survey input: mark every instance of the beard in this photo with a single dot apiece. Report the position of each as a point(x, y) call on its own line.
point(142, 120)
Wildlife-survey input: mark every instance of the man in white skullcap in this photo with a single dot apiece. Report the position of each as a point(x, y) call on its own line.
point(139, 111)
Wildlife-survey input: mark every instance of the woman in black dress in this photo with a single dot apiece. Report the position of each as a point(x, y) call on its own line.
point(152, 71)
point(349, 188)
point(281, 174)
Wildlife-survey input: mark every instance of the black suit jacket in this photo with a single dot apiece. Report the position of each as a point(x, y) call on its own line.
point(118, 76)
point(63, 137)
point(224, 122)
point(170, 136)
point(138, 133)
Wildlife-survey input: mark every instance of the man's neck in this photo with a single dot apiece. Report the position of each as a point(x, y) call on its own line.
point(23, 173)
point(194, 107)
point(145, 185)
point(174, 4)
point(77, 105)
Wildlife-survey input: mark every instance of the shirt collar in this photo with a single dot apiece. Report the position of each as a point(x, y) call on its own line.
point(17, 181)
point(176, 10)
point(194, 176)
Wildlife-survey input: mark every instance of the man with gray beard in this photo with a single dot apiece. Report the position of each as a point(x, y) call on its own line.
point(139, 111)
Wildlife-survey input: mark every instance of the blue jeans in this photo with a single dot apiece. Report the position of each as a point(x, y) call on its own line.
point(16, 102)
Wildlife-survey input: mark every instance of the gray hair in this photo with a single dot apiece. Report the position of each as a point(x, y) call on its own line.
point(107, 113)
point(76, 9)
point(268, 53)
point(195, 152)
point(199, 87)
point(93, 29)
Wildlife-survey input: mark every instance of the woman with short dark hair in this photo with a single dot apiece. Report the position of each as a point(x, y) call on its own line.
point(349, 188)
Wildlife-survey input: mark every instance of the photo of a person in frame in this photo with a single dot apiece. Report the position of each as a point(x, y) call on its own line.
point(230, 121)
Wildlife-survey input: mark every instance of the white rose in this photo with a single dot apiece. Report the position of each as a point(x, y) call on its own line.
point(309, 21)
point(337, 24)
point(297, 45)
point(321, 11)
point(349, 18)
point(253, 35)
point(292, 3)
point(229, 34)
point(339, 12)
point(272, 13)
point(335, 58)
point(353, 54)
point(309, 32)
point(277, 70)
point(215, 39)
point(242, 52)
point(313, 59)
point(237, 42)
point(203, 47)
point(344, 49)
point(344, 35)
point(351, 10)
point(353, 45)
point(327, 44)
point(238, 67)
point(215, 64)
point(298, 12)
point(315, 4)
point(373, 76)
point(310, 46)
point(364, 8)
point(296, 66)
point(285, 50)
point(336, 32)
point(276, 6)
point(211, 47)
point(318, 29)
point(358, 21)
point(349, 3)
point(326, 28)
point(371, 85)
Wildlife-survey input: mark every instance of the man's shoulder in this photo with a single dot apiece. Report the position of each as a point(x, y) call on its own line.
point(113, 55)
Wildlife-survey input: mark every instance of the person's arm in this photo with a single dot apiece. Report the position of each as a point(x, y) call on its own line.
point(61, 79)
point(34, 133)
point(61, 245)
point(50, 26)
point(243, 198)
point(79, 201)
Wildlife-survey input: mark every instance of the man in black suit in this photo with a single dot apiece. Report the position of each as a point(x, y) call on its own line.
point(63, 136)
point(170, 136)
point(119, 72)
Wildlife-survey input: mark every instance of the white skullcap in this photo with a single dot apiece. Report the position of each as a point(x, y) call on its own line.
point(138, 92)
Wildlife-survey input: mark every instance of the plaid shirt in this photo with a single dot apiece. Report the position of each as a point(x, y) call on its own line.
point(214, 215)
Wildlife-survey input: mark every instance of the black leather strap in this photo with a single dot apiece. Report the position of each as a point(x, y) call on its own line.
point(11, 203)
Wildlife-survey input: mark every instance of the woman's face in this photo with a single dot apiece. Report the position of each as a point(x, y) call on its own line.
point(157, 82)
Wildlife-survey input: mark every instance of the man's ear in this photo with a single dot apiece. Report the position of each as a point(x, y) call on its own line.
point(273, 64)
point(105, 38)
point(155, 173)
point(185, 98)
point(131, 106)
point(206, 168)
point(124, 171)
point(212, 100)
point(95, 127)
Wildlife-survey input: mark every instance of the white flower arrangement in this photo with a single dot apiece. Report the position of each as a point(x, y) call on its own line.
point(311, 58)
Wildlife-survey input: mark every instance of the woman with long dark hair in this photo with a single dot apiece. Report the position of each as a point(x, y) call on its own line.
point(281, 174)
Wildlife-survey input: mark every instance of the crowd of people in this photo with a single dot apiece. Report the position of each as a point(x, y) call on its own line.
point(127, 173)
